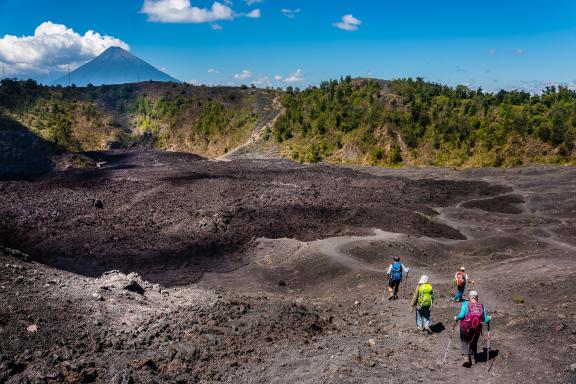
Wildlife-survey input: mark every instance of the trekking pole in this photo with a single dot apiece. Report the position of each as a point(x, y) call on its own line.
point(492, 363)
point(449, 342)
point(488, 347)
point(406, 283)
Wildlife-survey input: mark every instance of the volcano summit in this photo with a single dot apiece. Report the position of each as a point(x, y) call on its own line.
point(114, 66)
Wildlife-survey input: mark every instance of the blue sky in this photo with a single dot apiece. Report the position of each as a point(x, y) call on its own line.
point(493, 44)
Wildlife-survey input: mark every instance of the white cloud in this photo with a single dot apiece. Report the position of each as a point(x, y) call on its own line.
point(277, 77)
point(263, 81)
point(254, 14)
point(290, 13)
point(246, 74)
point(182, 11)
point(52, 48)
point(348, 23)
point(216, 27)
point(519, 51)
point(252, 2)
point(294, 77)
point(213, 70)
point(537, 86)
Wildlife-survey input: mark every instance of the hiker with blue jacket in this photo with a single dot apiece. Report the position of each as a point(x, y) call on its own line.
point(472, 315)
point(395, 278)
point(423, 299)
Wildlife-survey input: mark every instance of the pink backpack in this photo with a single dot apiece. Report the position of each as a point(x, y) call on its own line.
point(474, 317)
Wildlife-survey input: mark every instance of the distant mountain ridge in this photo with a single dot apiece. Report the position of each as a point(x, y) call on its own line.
point(113, 66)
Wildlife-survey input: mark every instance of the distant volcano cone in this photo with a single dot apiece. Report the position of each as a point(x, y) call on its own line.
point(113, 66)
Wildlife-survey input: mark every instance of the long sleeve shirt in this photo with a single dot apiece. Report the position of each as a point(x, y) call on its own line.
point(464, 309)
point(415, 297)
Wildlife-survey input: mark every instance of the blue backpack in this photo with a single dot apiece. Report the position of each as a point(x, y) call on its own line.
point(396, 272)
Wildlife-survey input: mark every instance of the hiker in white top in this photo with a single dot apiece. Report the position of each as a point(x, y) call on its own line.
point(460, 281)
point(395, 278)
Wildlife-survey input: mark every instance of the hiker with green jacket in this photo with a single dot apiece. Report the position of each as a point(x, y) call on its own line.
point(472, 315)
point(423, 299)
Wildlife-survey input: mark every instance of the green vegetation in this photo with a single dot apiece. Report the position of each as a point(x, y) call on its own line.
point(207, 121)
point(388, 123)
point(199, 124)
point(416, 122)
point(59, 127)
point(69, 117)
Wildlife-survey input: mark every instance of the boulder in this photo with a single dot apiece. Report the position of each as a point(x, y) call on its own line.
point(97, 203)
point(133, 286)
point(97, 296)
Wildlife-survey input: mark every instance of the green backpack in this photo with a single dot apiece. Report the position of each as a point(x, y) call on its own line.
point(425, 296)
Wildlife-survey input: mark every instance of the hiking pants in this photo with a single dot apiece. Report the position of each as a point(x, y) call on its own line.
point(423, 318)
point(394, 284)
point(469, 342)
point(460, 293)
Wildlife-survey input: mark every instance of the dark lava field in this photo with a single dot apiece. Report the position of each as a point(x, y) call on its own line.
point(166, 267)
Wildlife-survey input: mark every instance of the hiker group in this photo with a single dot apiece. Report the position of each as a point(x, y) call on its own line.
point(471, 316)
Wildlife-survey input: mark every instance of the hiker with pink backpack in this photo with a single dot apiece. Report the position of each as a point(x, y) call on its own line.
point(472, 315)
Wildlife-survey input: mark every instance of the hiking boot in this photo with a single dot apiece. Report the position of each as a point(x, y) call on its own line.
point(391, 297)
point(467, 361)
point(427, 328)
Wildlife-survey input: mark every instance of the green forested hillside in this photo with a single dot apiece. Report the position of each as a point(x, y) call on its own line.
point(416, 122)
point(206, 121)
point(398, 122)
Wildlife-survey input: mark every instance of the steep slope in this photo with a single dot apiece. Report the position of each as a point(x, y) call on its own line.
point(413, 122)
point(114, 66)
point(208, 121)
point(361, 121)
point(22, 153)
